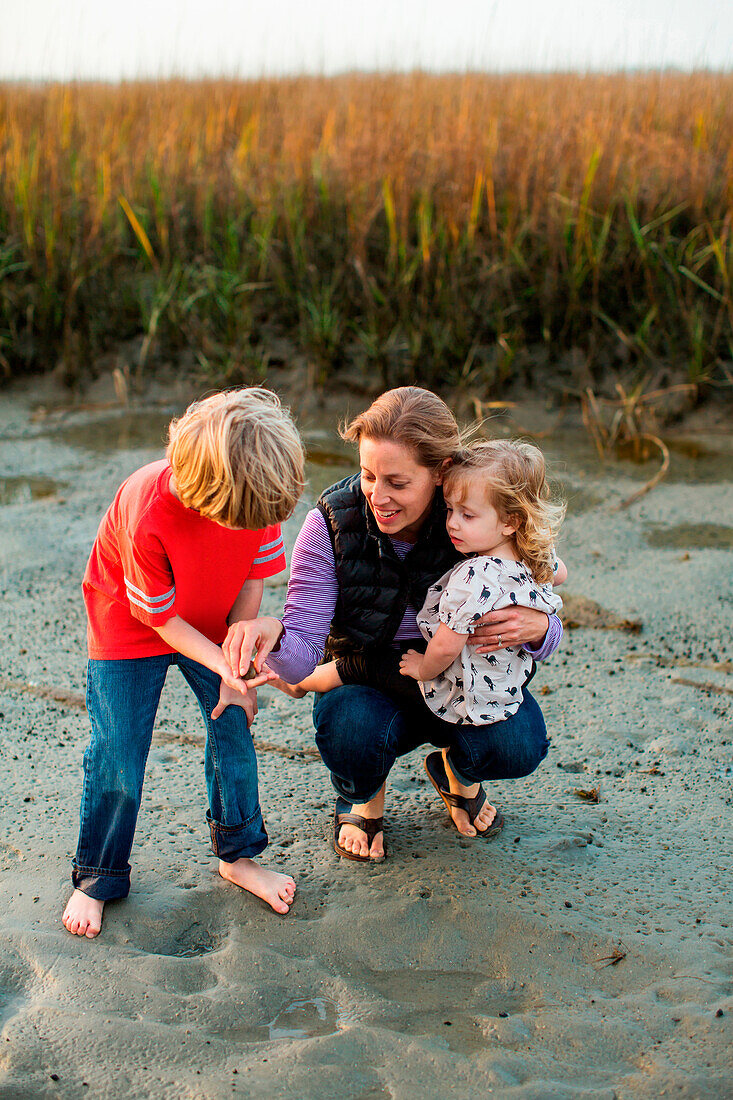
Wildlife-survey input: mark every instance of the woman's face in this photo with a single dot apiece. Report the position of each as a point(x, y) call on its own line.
point(398, 490)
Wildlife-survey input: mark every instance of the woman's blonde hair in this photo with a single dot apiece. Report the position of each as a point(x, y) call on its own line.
point(237, 458)
point(413, 417)
point(513, 476)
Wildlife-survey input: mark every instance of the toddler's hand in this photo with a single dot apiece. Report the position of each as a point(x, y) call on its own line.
point(293, 690)
point(410, 663)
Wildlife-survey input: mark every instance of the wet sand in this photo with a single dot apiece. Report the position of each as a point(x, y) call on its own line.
point(456, 967)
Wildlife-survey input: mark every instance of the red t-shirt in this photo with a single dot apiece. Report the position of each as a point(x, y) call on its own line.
point(153, 558)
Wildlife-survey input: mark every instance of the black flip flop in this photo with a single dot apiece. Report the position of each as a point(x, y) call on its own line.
point(370, 826)
point(435, 768)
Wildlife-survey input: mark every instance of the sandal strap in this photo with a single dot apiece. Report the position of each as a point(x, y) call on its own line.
point(470, 805)
point(370, 826)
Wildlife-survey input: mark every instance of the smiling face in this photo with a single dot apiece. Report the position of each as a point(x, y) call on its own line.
point(398, 490)
point(474, 525)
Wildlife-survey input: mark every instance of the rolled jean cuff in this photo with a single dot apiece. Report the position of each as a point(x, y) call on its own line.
point(466, 780)
point(233, 842)
point(352, 796)
point(100, 884)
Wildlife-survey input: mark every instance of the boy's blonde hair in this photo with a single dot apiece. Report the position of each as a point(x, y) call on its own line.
point(512, 474)
point(237, 458)
point(413, 417)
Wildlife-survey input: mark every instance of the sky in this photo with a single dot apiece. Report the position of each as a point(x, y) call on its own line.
point(99, 39)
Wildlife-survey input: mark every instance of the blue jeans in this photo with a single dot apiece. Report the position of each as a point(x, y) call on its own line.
point(360, 733)
point(122, 700)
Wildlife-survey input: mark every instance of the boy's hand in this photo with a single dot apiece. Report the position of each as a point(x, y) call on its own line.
point(244, 637)
point(410, 663)
point(231, 697)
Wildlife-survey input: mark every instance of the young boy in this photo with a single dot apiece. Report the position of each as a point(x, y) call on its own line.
point(181, 552)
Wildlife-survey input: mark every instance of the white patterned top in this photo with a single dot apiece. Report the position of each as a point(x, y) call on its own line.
point(481, 688)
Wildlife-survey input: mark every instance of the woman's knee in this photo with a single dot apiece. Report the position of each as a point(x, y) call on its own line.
point(357, 733)
point(507, 750)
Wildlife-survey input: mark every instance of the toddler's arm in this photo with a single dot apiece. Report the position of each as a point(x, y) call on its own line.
point(323, 678)
point(561, 573)
point(442, 651)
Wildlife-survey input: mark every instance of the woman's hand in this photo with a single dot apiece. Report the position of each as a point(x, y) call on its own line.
point(410, 663)
point(246, 637)
point(509, 626)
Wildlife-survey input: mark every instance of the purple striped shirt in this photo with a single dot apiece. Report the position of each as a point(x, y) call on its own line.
point(311, 603)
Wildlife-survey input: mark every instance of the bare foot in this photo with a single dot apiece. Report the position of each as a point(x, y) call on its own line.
point(83, 915)
point(355, 840)
point(486, 814)
point(292, 690)
point(276, 889)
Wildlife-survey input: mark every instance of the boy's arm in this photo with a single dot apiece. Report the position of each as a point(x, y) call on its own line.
point(441, 652)
point(185, 639)
point(247, 603)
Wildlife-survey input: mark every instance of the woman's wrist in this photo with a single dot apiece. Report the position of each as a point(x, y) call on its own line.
point(539, 641)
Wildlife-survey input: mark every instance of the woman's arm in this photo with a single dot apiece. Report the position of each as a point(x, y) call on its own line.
point(294, 646)
point(441, 652)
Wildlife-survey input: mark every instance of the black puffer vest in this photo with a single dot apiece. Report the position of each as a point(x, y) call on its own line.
point(375, 587)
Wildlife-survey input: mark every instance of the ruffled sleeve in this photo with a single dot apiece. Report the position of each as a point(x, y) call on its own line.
point(468, 595)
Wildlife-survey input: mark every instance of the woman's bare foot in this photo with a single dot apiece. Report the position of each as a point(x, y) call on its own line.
point(355, 840)
point(486, 814)
point(276, 889)
point(83, 915)
point(292, 690)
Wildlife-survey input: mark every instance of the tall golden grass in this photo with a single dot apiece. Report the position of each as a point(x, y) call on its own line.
point(446, 228)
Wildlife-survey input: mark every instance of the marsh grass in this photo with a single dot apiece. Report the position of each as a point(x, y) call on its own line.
point(455, 229)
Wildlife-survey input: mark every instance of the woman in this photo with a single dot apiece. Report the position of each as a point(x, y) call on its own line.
point(360, 569)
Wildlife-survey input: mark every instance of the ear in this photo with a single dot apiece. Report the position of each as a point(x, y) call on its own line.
point(511, 524)
point(444, 466)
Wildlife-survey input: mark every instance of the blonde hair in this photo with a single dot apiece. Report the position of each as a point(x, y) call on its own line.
point(413, 417)
point(237, 458)
point(513, 476)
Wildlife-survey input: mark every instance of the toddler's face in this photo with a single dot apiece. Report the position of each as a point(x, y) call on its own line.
point(475, 526)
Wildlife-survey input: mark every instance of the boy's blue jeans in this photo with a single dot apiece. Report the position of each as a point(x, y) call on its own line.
point(360, 732)
point(122, 700)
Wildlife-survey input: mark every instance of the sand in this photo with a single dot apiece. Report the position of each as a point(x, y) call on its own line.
point(457, 967)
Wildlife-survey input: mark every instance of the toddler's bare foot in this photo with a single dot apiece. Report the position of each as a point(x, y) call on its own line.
point(83, 915)
point(292, 690)
point(484, 817)
point(276, 889)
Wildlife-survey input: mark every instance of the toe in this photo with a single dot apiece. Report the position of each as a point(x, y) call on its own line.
point(463, 825)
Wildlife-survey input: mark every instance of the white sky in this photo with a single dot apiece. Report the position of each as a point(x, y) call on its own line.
point(112, 39)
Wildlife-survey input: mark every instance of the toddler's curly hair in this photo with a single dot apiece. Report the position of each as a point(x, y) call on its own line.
point(513, 476)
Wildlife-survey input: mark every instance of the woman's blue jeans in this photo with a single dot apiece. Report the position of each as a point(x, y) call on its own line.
point(122, 700)
point(360, 733)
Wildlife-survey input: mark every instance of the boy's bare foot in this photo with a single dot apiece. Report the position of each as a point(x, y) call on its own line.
point(486, 814)
point(354, 840)
point(292, 690)
point(276, 889)
point(83, 915)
